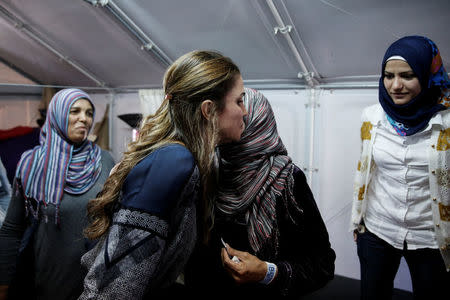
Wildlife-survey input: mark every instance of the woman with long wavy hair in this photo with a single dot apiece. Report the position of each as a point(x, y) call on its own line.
point(152, 206)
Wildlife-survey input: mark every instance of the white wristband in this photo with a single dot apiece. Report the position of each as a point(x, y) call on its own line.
point(270, 274)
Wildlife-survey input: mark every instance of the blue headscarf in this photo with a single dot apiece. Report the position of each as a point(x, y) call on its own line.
point(57, 165)
point(424, 59)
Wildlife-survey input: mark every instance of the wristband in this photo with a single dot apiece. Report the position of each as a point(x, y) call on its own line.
point(270, 274)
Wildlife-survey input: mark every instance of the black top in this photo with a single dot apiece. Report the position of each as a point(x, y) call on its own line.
point(302, 253)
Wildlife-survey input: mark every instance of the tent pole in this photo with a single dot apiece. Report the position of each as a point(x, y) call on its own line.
point(112, 101)
point(134, 29)
point(312, 105)
point(305, 74)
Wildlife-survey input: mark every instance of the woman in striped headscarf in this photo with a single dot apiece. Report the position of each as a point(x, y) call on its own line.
point(276, 241)
point(47, 213)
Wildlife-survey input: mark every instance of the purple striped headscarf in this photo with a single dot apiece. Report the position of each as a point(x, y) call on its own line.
point(56, 165)
point(256, 172)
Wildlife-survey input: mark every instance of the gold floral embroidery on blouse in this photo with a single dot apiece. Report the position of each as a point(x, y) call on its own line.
point(361, 192)
point(444, 211)
point(362, 165)
point(443, 143)
point(366, 127)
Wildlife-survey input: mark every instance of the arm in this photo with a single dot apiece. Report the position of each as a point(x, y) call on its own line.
point(11, 234)
point(139, 251)
point(122, 264)
point(306, 260)
point(369, 117)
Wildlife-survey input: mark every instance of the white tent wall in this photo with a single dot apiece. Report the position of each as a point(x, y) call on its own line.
point(122, 132)
point(18, 111)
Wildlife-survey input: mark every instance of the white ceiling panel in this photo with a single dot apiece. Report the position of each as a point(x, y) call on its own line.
point(81, 44)
point(349, 37)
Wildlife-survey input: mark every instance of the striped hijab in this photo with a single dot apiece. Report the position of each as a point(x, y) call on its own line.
point(56, 165)
point(255, 172)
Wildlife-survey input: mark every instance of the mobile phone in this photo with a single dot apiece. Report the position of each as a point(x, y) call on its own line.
point(234, 258)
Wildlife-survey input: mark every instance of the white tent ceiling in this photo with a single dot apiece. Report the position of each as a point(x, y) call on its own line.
point(83, 42)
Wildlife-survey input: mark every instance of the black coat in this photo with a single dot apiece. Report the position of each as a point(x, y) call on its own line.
point(302, 253)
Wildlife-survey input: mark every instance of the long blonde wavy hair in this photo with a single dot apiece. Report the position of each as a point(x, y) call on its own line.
point(191, 79)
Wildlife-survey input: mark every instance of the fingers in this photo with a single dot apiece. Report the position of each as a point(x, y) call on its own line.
point(249, 269)
point(224, 256)
point(227, 262)
point(233, 252)
point(252, 270)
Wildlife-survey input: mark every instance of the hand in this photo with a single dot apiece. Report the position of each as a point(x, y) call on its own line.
point(355, 235)
point(3, 292)
point(249, 269)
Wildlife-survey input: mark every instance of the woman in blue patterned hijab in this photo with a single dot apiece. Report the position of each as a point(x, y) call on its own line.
point(424, 58)
point(401, 204)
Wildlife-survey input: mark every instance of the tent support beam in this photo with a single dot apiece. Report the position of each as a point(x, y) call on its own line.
point(8, 16)
point(20, 71)
point(111, 112)
point(285, 30)
point(312, 105)
point(147, 43)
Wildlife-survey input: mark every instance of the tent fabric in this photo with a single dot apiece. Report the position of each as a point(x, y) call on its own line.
point(100, 132)
point(150, 100)
point(338, 40)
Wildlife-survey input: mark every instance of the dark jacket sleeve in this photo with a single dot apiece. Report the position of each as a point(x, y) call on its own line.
point(11, 235)
point(306, 260)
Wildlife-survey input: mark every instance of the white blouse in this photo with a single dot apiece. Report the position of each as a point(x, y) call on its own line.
point(398, 206)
